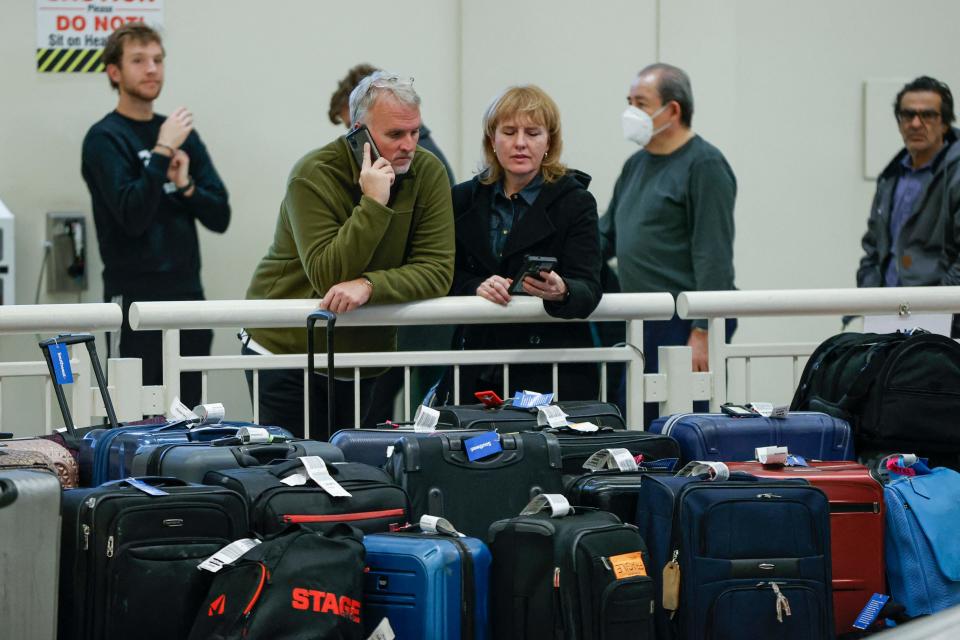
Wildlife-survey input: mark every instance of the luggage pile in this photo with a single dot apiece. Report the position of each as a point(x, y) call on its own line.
point(504, 522)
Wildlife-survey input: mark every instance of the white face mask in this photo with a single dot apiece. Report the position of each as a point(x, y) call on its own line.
point(638, 125)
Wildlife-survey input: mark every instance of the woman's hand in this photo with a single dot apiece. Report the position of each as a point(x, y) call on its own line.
point(495, 289)
point(550, 286)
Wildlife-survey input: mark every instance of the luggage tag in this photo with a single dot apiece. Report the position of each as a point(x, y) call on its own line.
point(771, 455)
point(551, 415)
point(426, 419)
point(383, 631)
point(254, 435)
point(870, 612)
point(482, 446)
point(61, 363)
point(228, 555)
point(317, 471)
point(140, 485)
point(627, 565)
point(906, 464)
point(796, 461)
point(584, 427)
point(439, 526)
point(530, 399)
point(210, 413)
point(615, 458)
point(557, 503)
point(671, 585)
point(180, 411)
point(714, 471)
point(769, 410)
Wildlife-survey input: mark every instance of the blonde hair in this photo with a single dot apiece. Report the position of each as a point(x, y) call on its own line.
point(531, 102)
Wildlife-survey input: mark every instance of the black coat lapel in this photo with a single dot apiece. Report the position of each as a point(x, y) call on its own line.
point(473, 230)
point(534, 226)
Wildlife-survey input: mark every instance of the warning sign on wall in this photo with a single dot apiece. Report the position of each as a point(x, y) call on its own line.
point(71, 33)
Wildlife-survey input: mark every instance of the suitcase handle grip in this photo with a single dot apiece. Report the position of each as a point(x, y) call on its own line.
point(8, 492)
point(153, 481)
point(263, 454)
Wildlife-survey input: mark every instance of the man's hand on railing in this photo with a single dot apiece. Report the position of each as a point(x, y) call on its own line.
point(698, 342)
point(347, 296)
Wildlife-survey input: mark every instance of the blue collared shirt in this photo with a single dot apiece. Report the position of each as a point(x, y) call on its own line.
point(909, 188)
point(507, 211)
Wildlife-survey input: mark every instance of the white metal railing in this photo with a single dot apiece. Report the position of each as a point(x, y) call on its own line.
point(717, 306)
point(48, 320)
point(171, 317)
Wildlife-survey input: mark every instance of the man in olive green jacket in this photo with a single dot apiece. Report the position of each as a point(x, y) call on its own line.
point(379, 233)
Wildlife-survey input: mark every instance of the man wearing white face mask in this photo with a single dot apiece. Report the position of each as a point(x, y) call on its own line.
point(670, 222)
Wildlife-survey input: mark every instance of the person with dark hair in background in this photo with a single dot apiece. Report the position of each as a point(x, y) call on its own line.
point(670, 222)
point(409, 338)
point(150, 180)
point(526, 202)
point(913, 232)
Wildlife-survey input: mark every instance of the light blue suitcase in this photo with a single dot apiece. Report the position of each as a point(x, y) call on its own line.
point(430, 586)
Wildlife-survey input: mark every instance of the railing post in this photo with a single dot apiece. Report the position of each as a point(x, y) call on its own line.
point(717, 362)
point(82, 401)
point(171, 366)
point(677, 364)
point(634, 370)
point(126, 375)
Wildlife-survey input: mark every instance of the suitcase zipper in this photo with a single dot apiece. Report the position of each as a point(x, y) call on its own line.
point(341, 517)
point(86, 537)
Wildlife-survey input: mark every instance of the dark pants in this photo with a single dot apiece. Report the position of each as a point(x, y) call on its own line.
point(148, 346)
point(281, 400)
point(666, 333)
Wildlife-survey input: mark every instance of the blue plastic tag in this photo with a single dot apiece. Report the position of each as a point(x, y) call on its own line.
point(61, 363)
point(146, 488)
point(796, 461)
point(668, 464)
point(870, 612)
point(529, 399)
point(482, 446)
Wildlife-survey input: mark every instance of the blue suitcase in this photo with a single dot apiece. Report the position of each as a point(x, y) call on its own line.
point(374, 446)
point(431, 587)
point(717, 436)
point(742, 545)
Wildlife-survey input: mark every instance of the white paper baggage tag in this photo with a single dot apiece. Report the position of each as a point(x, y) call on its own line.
point(586, 427)
point(383, 631)
point(616, 458)
point(317, 470)
point(253, 435)
point(441, 526)
point(716, 471)
point(426, 419)
point(179, 411)
point(228, 555)
point(555, 502)
point(771, 455)
point(551, 415)
point(210, 413)
point(390, 451)
point(770, 410)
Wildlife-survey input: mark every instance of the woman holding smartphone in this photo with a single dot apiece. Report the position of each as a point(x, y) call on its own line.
point(525, 204)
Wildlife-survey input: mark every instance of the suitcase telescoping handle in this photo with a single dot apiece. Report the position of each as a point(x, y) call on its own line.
point(88, 340)
point(331, 320)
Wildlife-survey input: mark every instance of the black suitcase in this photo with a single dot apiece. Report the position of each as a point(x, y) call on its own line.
point(577, 446)
point(376, 505)
point(441, 481)
point(583, 576)
point(373, 446)
point(507, 419)
point(129, 559)
point(609, 490)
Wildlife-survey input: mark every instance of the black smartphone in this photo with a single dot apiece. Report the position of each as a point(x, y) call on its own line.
point(532, 266)
point(738, 411)
point(356, 138)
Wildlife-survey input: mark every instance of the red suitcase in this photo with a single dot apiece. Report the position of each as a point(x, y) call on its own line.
point(856, 529)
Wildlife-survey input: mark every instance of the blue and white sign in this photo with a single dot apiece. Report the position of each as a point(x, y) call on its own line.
point(482, 446)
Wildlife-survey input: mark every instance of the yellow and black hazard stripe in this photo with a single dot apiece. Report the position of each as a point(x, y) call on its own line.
point(69, 60)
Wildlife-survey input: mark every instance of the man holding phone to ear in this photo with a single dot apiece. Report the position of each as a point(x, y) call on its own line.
point(375, 232)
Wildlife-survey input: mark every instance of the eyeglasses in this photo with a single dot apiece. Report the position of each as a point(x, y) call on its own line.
point(927, 116)
point(386, 81)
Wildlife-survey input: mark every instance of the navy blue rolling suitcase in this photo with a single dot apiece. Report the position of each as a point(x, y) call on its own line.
point(719, 437)
point(741, 558)
point(427, 585)
point(374, 446)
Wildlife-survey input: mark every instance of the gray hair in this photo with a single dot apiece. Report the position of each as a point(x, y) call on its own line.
point(379, 82)
point(673, 85)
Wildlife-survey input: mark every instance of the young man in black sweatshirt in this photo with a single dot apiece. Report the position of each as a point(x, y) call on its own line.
point(150, 179)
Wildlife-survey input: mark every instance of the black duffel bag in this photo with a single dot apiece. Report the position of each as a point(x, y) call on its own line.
point(899, 391)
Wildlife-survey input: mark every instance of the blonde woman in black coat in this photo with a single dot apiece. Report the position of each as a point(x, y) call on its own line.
point(526, 202)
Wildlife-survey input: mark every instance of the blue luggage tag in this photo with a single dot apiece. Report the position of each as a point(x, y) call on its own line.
point(530, 399)
point(146, 488)
point(482, 446)
point(796, 461)
point(870, 612)
point(60, 356)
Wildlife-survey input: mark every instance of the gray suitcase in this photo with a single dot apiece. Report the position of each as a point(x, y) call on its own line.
point(29, 554)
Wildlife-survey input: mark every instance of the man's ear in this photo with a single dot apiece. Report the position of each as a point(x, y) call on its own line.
point(113, 72)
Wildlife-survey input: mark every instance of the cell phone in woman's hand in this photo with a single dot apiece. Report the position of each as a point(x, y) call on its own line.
point(532, 267)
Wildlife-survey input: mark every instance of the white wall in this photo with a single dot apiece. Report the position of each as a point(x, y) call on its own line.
point(778, 89)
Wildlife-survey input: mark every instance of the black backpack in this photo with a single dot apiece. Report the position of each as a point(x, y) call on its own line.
point(898, 391)
point(295, 584)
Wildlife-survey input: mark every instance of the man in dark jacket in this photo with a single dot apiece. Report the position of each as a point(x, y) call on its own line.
point(150, 179)
point(913, 233)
